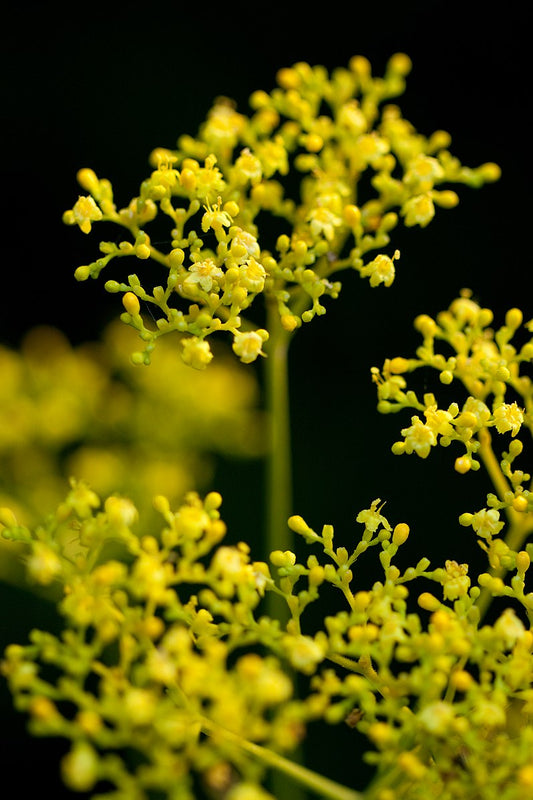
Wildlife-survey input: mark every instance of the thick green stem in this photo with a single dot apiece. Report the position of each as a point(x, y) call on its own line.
point(278, 484)
point(318, 784)
point(279, 468)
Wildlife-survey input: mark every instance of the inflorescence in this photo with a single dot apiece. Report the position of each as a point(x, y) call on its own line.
point(224, 191)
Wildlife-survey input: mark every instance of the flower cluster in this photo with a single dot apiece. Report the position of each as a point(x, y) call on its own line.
point(216, 189)
point(157, 649)
point(167, 668)
point(493, 372)
point(185, 667)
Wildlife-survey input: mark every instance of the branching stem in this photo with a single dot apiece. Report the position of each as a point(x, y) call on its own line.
point(318, 784)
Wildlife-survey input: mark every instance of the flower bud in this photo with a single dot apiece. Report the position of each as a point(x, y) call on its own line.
point(131, 303)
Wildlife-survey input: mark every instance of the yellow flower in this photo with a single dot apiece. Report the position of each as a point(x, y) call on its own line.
point(323, 222)
point(207, 182)
point(248, 168)
point(231, 563)
point(419, 438)
point(196, 352)
point(215, 218)
point(509, 627)
point(304, 652)
point(372, 519)
point(249, 345)
point(223, 126)
point(456, 582)
point(273, 156)
point(486, 523)
point(84, 212)
point(204, 274)
point(381, 269)
point(478, 409)
point(439, 420)
point(243, 245)
point(418, 210)
point(508, 417)
point(252, 276)
point(422, 173)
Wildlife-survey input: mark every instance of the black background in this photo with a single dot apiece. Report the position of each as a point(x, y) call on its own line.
point(100, 85)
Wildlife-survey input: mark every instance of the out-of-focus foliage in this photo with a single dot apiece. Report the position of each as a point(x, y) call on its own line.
point(87, 412)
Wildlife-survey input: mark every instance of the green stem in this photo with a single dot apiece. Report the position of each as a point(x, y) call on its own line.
point(278, 481)
point(279, 469)
point(520, 524)
point(324, 787)
point(494, 470)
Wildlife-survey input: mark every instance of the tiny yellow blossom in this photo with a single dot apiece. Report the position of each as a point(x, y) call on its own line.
point(323, 222)
point(418, 210)
point(419, 438)
point(509, 627)
point(249, 345)
point(381, 270)
point(422, 173)
point(205, 274)
point(84, 213)
point(304, 652)
point(196, 352)
point(508, 417)
point(372, 518)
point(216, 218)
point(252, 275)
point(486, 522)
point(456, 582)
point(248, 167)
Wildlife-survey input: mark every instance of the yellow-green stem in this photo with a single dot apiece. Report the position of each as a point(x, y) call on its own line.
point(279, 467)
point(278, 483)
point(318, 784)
point(519, 526)
point(494, 470)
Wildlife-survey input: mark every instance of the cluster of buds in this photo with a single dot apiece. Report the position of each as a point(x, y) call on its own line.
point(499, 392)
point(215, 189)
point(156, 655)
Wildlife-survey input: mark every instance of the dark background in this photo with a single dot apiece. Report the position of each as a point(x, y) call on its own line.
point(101, 85)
